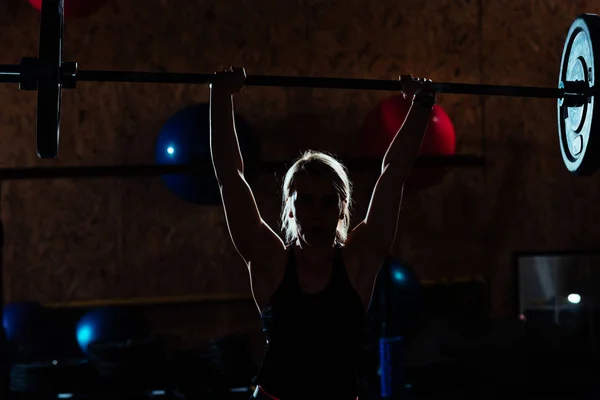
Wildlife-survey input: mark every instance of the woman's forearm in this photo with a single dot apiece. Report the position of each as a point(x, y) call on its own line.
point(225, 150)
point(405, 148)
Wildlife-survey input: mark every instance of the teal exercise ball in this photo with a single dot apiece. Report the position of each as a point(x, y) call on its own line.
point(185, 139)
point(111, 324)
point(397, 296)
point(28, 329)
point(23, 321)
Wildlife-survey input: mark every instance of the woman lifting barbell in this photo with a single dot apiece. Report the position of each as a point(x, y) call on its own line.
point(312, 293)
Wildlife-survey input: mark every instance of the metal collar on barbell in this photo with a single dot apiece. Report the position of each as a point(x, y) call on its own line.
point(29, 72)
point(575, 93)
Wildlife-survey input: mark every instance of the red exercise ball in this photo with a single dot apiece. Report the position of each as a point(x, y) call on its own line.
point(386, 118)
point(75, 8)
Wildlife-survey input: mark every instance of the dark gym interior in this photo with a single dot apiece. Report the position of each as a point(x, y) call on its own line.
point(494, 277)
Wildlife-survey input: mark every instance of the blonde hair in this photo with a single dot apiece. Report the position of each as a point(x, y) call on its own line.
point(315, 162)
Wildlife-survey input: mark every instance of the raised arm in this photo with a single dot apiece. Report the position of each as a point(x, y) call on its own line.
point(373, 238)
point(254, 240)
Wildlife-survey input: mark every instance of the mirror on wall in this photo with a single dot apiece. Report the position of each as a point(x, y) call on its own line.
point(561, 288)
point(558, 284)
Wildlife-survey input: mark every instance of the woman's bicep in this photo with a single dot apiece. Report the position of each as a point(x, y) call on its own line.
point(252, 237)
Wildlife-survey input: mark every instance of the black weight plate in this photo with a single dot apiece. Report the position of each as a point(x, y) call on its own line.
point(49, 87)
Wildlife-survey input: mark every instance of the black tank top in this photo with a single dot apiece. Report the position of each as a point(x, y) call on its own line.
point(313, 340)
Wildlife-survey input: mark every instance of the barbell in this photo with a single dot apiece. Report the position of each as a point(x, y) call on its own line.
point(575, 94)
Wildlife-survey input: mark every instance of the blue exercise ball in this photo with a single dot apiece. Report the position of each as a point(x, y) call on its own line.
point(185, 138)
point(23, 321)
point(111, 324)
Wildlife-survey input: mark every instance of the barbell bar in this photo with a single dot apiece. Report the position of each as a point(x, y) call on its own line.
point(319, 82)
point(69, 72)
point(575, 93)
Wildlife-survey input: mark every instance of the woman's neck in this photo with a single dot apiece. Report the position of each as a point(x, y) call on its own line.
point(315, 254)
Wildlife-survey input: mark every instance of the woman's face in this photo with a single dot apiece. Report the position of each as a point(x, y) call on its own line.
point(316, 208)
